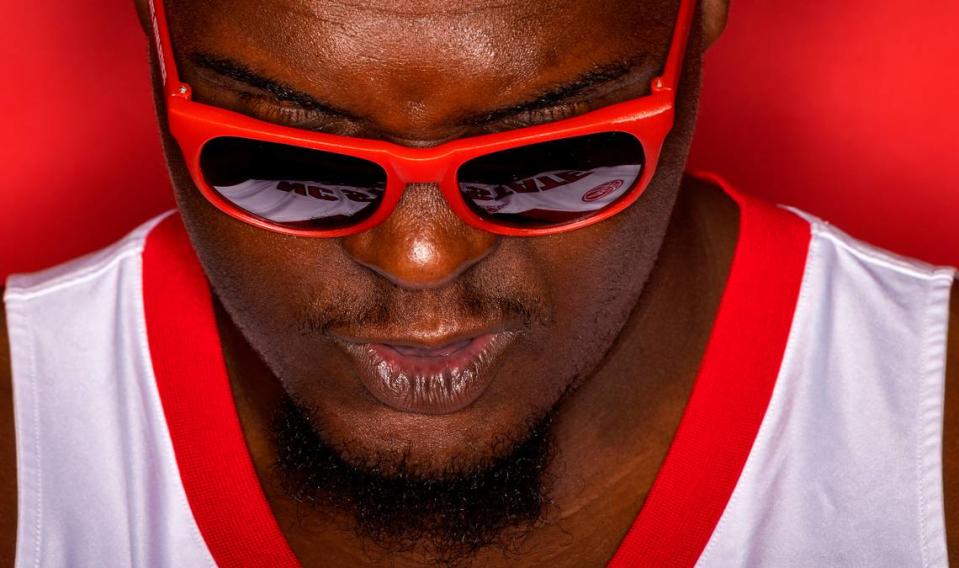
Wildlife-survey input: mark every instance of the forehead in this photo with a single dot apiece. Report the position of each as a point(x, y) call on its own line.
point(440, 56)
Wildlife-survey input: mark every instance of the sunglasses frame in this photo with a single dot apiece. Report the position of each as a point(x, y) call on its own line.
point(648, 118)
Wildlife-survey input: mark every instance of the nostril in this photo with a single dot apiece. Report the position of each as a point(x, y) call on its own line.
point(427, 258)
point(419, 263)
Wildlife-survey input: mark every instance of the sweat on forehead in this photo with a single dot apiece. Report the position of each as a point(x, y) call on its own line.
point(416, 64)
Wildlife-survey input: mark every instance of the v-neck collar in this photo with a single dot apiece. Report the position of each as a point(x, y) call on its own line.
point(701, 468)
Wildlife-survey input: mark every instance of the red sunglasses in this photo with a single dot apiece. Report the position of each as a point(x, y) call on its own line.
point(536, 180)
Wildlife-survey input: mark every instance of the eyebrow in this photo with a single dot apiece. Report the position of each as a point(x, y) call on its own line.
point(596, 77)
point(243, 74)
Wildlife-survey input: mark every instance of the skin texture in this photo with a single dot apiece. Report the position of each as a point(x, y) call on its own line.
point(619, 292)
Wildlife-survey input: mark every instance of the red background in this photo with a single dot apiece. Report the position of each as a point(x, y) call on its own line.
point(849, 110)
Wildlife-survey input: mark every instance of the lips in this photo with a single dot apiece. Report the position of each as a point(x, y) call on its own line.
point(417, 378)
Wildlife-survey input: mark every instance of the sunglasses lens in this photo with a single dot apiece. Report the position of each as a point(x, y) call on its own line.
point(293, 186)
point(552, 183)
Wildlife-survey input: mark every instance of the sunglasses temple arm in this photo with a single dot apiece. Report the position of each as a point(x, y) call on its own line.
point(669, 81)
point(172, 86)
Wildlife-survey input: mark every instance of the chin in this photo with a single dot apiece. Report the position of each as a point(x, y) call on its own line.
point(443, 493)
point(394, 443)
point(370, 433)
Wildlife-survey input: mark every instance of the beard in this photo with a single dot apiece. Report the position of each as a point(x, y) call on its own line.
point(447, 515)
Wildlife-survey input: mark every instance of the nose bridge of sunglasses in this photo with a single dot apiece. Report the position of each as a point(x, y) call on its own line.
point(422, 166)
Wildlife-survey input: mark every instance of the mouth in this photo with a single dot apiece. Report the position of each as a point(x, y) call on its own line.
point(422, 379)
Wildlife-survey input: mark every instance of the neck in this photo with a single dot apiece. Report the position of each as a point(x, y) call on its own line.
point(617, 428)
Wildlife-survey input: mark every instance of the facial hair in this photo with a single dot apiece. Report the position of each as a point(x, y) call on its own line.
point(449, 516)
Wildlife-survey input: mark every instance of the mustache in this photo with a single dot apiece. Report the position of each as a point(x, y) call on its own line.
point(386, 305)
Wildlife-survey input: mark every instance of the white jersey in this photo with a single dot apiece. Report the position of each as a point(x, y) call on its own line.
point(813, 435)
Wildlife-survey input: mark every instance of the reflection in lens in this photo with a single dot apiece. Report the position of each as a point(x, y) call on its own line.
point(293, 186)
point(553, 182)
point(287, 201)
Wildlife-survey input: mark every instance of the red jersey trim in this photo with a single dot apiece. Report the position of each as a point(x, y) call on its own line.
point(222, 487)
point(701, 468)
point(731, 393)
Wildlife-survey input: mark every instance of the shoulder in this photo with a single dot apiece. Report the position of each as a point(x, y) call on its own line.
point(897, 289)
point(901, 291)
point(8, 462)
point(951, 435)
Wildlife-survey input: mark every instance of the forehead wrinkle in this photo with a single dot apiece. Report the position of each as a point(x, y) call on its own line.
point(396, 49)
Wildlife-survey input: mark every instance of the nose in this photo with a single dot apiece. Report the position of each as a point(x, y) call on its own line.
point(422, 244)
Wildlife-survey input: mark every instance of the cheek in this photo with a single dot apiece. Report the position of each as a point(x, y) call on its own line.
point(597, 275)
point(268, 282)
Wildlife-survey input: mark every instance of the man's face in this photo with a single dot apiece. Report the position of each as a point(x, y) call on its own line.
point(425, 344)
